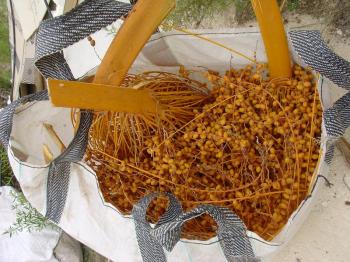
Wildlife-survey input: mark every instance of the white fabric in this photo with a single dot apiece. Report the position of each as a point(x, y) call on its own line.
point(86, 216)
point(30, 14)
point(80, 64)
point(43, 246)
point(63, 6)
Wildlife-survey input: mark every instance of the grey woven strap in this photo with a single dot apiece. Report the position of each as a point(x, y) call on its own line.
point(336, 120)
point(60, 32)
point(58, 178)
point(314, 52)
point(6, 115)
point(231, 230)
point(337, 117)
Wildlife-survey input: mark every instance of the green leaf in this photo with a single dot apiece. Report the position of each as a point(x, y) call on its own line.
point(28, 219)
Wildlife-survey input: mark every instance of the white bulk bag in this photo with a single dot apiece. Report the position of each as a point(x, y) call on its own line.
point(70, 194)
point(86, 216)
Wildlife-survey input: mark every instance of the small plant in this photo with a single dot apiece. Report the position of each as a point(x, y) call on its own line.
point(5, 76)
point(5, 72)
point(292, 5)
point(6, 175)
point(194, 11)
point(4, 44)
point(27, 218)
point(241, 5)
point(244, 11)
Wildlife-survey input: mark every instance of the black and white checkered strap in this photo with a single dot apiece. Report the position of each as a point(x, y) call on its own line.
point(6, 115)
point(231, 230)
point(314, 52)
point(336, 120)
point(60, 32)
point(58, 178)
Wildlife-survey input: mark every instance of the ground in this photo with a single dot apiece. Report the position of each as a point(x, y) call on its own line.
point(192, 13)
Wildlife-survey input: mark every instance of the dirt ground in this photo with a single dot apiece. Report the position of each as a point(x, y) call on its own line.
point(336, 12)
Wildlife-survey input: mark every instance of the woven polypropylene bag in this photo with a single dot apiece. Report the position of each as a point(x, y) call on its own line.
point(67, 190)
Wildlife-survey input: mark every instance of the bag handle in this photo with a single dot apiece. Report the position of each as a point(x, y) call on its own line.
point(315, 53)
point(60, 32)
point(231, 232)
